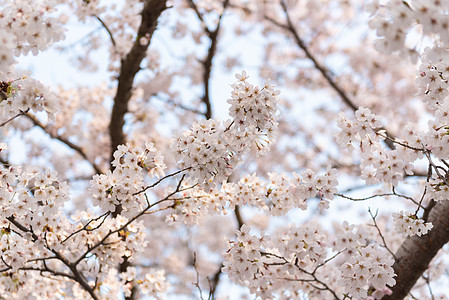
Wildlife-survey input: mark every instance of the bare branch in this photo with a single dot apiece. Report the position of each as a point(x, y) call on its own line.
point(199, 15)
point(107, 30)
point(380, 232)
point(377, 195)
point(86, 227)
point(197, 283)
point(160, 180)
point(179, 105)
point(321, 68)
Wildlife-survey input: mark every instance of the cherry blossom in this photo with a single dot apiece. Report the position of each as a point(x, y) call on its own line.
point(139, 185)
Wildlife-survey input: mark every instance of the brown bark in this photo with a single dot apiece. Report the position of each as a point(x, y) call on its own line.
point(129, 68)
point(415, 253)
point(130, 65)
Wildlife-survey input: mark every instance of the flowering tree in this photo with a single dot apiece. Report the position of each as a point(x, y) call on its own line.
point(137, 188)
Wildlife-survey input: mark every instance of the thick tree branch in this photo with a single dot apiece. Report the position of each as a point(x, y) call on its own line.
point(207, 69)
point(130, 65)
point(323, 70)
point(415, 253)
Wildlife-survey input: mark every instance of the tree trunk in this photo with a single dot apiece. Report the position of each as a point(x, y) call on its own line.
point(415, 253)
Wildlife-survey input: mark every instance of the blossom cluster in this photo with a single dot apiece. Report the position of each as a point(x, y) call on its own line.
point(7, 43)
point(277, 195)
point(378, 164)
point(432, 83)
point(408, 224)
point(26, 94)
point(31, 25)
point(33, 197)
point(368, 266)
point(301, 255)
point(352, 132)
point(121, 187)
point(246, 264)
point(283, 193)
point(396, 18)
point(154, 283)
point(433, 74)
point(27, 26)
point(364, 265)
point(211, 151)
point(437, 189)
point(34, 228)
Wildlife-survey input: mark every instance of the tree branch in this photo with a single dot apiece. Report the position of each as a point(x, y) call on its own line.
point(130, 66)
point(416, 252)
point(21, 113)
point(380, 233)
point(114, 44)
point(78, 149)
point(141, 213)
point(77, 276)
point(207, 63)
point(322, 69)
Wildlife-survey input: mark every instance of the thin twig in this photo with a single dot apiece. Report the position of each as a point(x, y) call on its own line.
point(197, 283)
point(436, 168)
point(380, 233)
point(21, 113)
point(200, 16)
point(108, 31)
point(179, 105)
point(85, 227)
point(141, 213)
point(321, 68)
point(207, 63)
point(378, 195)
point(312, 274)
point(427, 280)
point(160, 180)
